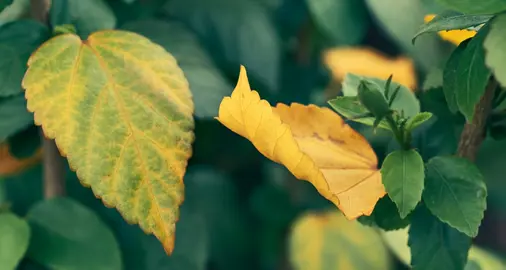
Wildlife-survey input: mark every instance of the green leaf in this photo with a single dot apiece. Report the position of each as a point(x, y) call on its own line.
point(495, 55)
point(451, 20)
point(213, 195)
point(87, 16)
point(14, 239)
point(207, 83)
point(472, 265)
point(472, 75)
point(385, 216)
point(455, 193)
point(344, 21)
point(327, 240)
point(121, 112)
point(435, 245)
point(15, 10)
point(191, 252)
point(350, 107)
point(67, 235)
point(15, 117)
point(236, 32)
point(4, 4)
point(403, 177)
point(473, 7)
point(417, 120)
point(401, 20)
point(18, 40)
point(450, 76)
point(25, 143)
point(405, 100)
point(434, 79)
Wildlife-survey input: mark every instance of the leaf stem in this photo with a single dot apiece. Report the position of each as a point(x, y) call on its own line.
point(474, 133)
point(54, 181)
point(398, 133)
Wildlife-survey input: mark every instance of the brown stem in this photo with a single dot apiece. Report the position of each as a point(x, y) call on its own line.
point(54, 181)
point(474, 133)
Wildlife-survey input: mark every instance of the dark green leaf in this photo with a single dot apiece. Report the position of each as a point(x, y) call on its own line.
point(495, 55)
point(417, 120)
point(451, 20)
point(344, 21)
point(385, 216)
point(25, 143)
point(472, 75)
point(403, 176)
point(18, 40)
point(455, 193)
point(207, 84)
point(435, 245)
point(15, 117)
point(14, 239)
point(67, 235)
point(450, 76)
point(87, 16)
point(473, 7)
point(236, 32)
point(405, 101)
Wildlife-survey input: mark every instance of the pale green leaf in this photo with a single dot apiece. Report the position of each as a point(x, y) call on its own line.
point(451, 20)
point(435, 245)
point(456, 193)
point(18, 40)
point(14, 11)
point(344, 21)
point(433, 79)
point(474, 7)
point(350, 107)
point(495, 55)
point(14, 240)
point(236, 32)
point(417, 120)
point(68, 236)
point(403, 177)
point(328, 241)
point(120, 110)
point(14, 116)
point(207, 83)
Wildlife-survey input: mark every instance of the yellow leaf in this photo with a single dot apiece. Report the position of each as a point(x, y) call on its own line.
point(10, 165)
point(314, 143)
point(371, 63)
point(453, 36)
point(328, 241)
point(120, 110)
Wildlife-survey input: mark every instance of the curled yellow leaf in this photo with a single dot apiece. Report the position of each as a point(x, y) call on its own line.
point(10, 165)
point(453, 36)
point(312, 142)
point(371, 63)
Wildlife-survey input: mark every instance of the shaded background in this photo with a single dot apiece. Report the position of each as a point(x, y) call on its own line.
point(240, 208)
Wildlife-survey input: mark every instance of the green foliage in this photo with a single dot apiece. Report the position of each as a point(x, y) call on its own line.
point(14, 116)
point(450, 76)
point(455, 193)
point(435, 245)
point(15, 236)
point(472, 7)
point(344, 21)
point(403, 177)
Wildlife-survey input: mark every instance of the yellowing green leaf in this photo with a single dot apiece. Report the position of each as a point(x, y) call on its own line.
point(328, 241)
point(314, 143)
point(120, 109)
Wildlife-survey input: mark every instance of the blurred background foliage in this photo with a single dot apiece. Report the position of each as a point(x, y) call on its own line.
point(242, 211)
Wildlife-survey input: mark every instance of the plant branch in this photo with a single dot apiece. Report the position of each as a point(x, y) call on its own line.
point(54, 180)
point(474, 133)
